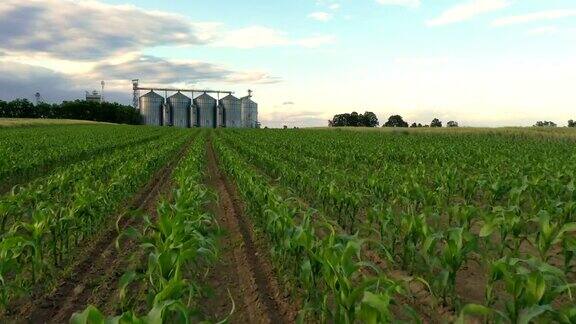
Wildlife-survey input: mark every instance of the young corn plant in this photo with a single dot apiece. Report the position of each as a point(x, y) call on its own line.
point(551, 233)
point(180, 242)
point(533, 286)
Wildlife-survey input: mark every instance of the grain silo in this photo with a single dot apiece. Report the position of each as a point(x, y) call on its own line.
point(220, 116)
point(232, 108)
point(166, 115)
point(249, 112)
point(151, 108)
point(194, 116)
point(180, 106)
point(206, 110)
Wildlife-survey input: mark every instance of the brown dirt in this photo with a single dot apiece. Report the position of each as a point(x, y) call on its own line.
point(95, 277)
point(421, 300)
point(244, 271)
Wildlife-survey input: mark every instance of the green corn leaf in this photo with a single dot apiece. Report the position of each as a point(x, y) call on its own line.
point(91, 315)
point(528, 314)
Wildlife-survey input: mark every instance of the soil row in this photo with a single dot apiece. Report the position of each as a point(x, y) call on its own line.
point(244, 278)
point(94, 277)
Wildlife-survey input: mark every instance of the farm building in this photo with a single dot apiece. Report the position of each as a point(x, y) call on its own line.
point(179, 110)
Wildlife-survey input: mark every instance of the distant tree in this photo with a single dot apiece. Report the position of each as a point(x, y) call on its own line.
point(355, 119)
point(414, 125)
point(452, 124)
point(341, 120)
point(545, 123)
point(19, 108)
point(3, 108)
point(395, 121)
point(370, 119)
point(78, 109)
point(420, 125)
point(436, 123)
point(571, 123)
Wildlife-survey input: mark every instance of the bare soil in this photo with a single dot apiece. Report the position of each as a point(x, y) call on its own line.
point(244, 272)
point(95, 276)
point(421, 300)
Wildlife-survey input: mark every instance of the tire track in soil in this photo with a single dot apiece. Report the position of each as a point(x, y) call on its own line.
point(243, 268)
point(103, 264)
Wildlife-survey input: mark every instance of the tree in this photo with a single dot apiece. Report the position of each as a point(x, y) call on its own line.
point(414, 125)
point(355, 119)
point(396, 121)
point(436, 123)
point(452, 124)
point(571, 123)
point(545, 123)
point(78, 109)
point(370, 119)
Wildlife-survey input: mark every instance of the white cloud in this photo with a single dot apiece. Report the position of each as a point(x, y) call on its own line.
point(88, 30)
point(334, 6)
point(93, 31)
point(403, 3)
point(320, 16)
point(468, 10)
point(535, 16)
point(163, 71)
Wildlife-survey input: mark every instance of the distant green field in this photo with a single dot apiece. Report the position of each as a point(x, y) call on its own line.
point(516, 131)
point(8, 122)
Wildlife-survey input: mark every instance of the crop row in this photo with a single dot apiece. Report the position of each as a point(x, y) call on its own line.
point(31, 151)
point(180, 242)
point(435, 217)
point(326, 268)
point(44, 221)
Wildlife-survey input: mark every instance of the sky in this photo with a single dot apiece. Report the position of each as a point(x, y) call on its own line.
point(478, 62)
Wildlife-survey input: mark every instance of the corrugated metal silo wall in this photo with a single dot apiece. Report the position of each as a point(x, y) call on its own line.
point(151, 108)
point(249, 113)
point(232, 111)
point(220, 116)
point(180, 107)
point(193, 116)
point(167, 115)
point(206, 111)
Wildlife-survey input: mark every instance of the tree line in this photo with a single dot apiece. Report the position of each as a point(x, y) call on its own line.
point(354, 119)
point(111, 112)
point(369, 119)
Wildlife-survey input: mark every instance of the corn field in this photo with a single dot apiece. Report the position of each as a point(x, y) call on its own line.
point(130, 224)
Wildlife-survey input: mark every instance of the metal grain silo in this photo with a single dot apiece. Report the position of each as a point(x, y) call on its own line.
point(180, 107)
point(151, 108)
point(232, 108)
point(249, 113)
point(166, 115)
point(194, 116)
point(219, 116)
point(206, 110)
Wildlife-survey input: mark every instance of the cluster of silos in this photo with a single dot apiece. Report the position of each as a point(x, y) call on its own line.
point(203, 111)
